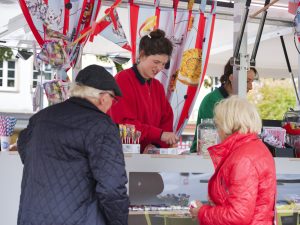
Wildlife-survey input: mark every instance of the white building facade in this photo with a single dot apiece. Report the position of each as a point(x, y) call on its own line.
point(18, 80)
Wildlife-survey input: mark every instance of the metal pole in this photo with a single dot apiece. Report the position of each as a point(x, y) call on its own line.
point(258, 36)
point(298, 103)
point(289, 68)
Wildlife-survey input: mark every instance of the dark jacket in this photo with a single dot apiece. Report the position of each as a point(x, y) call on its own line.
point(243, 187)
point(74, 170)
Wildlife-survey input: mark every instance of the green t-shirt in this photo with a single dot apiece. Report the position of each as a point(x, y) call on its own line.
point(206, 110)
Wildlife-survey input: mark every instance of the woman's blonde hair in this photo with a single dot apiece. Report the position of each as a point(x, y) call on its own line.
point(237, 114)
point(82, 91)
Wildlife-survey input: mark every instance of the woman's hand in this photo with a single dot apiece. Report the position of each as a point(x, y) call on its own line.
point(169, 137)
point(148, 148)
point(13, 147)
point(210, 202)
point(195, 210)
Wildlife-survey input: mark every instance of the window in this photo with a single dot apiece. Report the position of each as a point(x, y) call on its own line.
point(7, 75)
point(46, 73)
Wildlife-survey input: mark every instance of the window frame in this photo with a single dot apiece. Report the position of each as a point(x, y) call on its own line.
point(47, 70)
point(5, 78)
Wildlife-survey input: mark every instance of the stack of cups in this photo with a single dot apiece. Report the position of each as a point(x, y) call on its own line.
point(5, 143)
point(7, 124)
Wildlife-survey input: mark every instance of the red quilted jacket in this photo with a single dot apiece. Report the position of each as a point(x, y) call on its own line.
point(243, 187)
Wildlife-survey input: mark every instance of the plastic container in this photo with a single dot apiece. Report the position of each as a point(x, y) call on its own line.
point(206, 136)
point(291, 123)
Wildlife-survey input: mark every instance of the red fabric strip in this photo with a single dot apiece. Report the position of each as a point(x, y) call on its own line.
point(80, 19)
point(134, 14)
point(208, 47)
point(200, 34)
point(175, 6)
point(100, 27)
point(66, 18)
point(157, 14)
point(88, 20)
point(190, 94)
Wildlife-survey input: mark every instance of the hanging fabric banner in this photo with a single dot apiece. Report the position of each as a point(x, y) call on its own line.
point(191, 35)
point(292, 6)
point(175, 7)
point(115, 32)
point(205, 34)
point(110, 27)
point(56, 23)
point(297, 21)
point(189, 71)
point(142, 21)
point(177, 34)
point(208, 35)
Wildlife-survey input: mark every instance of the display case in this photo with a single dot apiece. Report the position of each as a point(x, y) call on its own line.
point(161, 186)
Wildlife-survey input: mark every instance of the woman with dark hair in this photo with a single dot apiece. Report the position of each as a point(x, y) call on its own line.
point(144, 103)
point(209, 101)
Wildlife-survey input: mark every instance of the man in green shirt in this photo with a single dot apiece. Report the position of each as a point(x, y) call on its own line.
point(206, 110)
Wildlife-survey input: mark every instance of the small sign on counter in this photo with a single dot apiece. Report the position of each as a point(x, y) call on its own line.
point(131, 148)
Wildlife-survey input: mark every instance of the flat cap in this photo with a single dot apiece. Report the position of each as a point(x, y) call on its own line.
point(98, 77)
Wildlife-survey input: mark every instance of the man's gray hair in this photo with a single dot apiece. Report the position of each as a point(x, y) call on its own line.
point(83, 91)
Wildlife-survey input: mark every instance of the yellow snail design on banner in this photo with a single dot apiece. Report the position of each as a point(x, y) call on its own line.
point(147, 26)
point(190, 69)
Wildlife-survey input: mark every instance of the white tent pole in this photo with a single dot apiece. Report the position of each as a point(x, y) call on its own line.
point(40, 83)
point(240, 71)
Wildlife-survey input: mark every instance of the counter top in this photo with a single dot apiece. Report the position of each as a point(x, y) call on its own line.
point(11, 173)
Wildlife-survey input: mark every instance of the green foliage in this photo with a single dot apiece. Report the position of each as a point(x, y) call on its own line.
point(118, 67)
point(103, 58)
point(108, 59)
point(5, 53)
point(273, 97)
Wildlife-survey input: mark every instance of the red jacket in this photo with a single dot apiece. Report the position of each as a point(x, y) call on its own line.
point(143, 104)
point(243, 187)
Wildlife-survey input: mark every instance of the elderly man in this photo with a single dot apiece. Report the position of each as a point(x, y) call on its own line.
point(74, 170)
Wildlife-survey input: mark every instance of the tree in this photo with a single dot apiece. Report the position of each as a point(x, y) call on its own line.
point(5, 53)
point(273, 98)
point(118, 66)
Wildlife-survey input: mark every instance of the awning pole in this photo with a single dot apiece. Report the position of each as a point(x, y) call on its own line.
point(289, 67)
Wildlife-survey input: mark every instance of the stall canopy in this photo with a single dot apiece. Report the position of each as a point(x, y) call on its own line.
point(270, 59)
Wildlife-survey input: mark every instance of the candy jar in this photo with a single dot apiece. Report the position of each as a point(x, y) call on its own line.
point(206, 136)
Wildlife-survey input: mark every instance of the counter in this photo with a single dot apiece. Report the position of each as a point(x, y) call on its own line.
point(11, 174)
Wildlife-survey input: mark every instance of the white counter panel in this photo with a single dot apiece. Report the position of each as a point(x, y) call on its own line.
point(11, 174)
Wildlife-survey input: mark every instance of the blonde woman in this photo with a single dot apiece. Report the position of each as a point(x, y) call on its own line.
point(242, 190)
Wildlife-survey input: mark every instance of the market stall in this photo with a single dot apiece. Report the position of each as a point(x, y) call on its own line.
point(174, 180)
